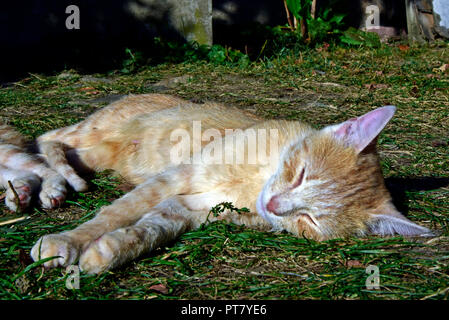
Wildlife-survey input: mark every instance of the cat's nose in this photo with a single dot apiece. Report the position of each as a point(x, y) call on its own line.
point(273, 205)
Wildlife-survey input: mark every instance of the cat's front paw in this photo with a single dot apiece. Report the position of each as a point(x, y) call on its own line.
point(100, 255)
point(60, 246)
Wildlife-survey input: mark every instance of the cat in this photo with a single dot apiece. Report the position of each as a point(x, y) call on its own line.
point(319, 184)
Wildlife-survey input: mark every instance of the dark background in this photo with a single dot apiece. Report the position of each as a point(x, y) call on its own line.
point(33, 36)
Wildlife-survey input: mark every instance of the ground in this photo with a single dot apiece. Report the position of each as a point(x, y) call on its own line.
point(321, 86)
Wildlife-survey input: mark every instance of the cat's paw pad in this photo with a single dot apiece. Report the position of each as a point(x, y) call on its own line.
point(52, 196)
point(55, 245)
point(100, 254)
point(20, 199)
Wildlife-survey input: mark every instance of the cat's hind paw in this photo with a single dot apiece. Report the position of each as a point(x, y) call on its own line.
point(19, 197)
point(53, 194)
point(55, 245)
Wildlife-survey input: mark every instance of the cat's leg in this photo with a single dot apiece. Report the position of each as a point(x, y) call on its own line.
point(24, 184)
point(53, 190)
point(55, 155)
point(123, 212)
point(165, 222)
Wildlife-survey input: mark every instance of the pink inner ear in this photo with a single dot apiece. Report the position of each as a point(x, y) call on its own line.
point(359, 132)
point(344, 129)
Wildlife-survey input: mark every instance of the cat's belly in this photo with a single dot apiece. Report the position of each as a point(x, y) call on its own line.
point(204, 201)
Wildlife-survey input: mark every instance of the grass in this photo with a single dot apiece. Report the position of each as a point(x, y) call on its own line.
point(320, 86)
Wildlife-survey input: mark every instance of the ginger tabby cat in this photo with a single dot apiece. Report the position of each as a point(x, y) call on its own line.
point(320, 184)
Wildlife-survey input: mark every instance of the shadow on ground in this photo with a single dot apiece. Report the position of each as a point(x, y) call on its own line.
point(399, 186)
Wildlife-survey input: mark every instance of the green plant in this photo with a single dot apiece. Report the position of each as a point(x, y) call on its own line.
point(357, 37)
point(314, 25)
point(192, 51)
point(222, 207)
point(133, 61)
point(177, 52)
point(221, 55)
point(326, 23)
point(301, 13)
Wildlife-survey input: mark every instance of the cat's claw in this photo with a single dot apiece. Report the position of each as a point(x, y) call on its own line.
point(100, 254)
point(55, 245)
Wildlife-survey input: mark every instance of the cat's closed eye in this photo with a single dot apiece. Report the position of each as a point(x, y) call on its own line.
point(300, 179)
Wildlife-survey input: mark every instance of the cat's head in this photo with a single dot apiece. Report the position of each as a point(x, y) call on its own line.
point(329, 184)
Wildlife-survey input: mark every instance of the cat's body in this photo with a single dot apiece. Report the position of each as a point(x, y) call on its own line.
point(317, 183)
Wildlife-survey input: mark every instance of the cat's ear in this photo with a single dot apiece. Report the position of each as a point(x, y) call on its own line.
point(391, 222)
point(360, 132)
